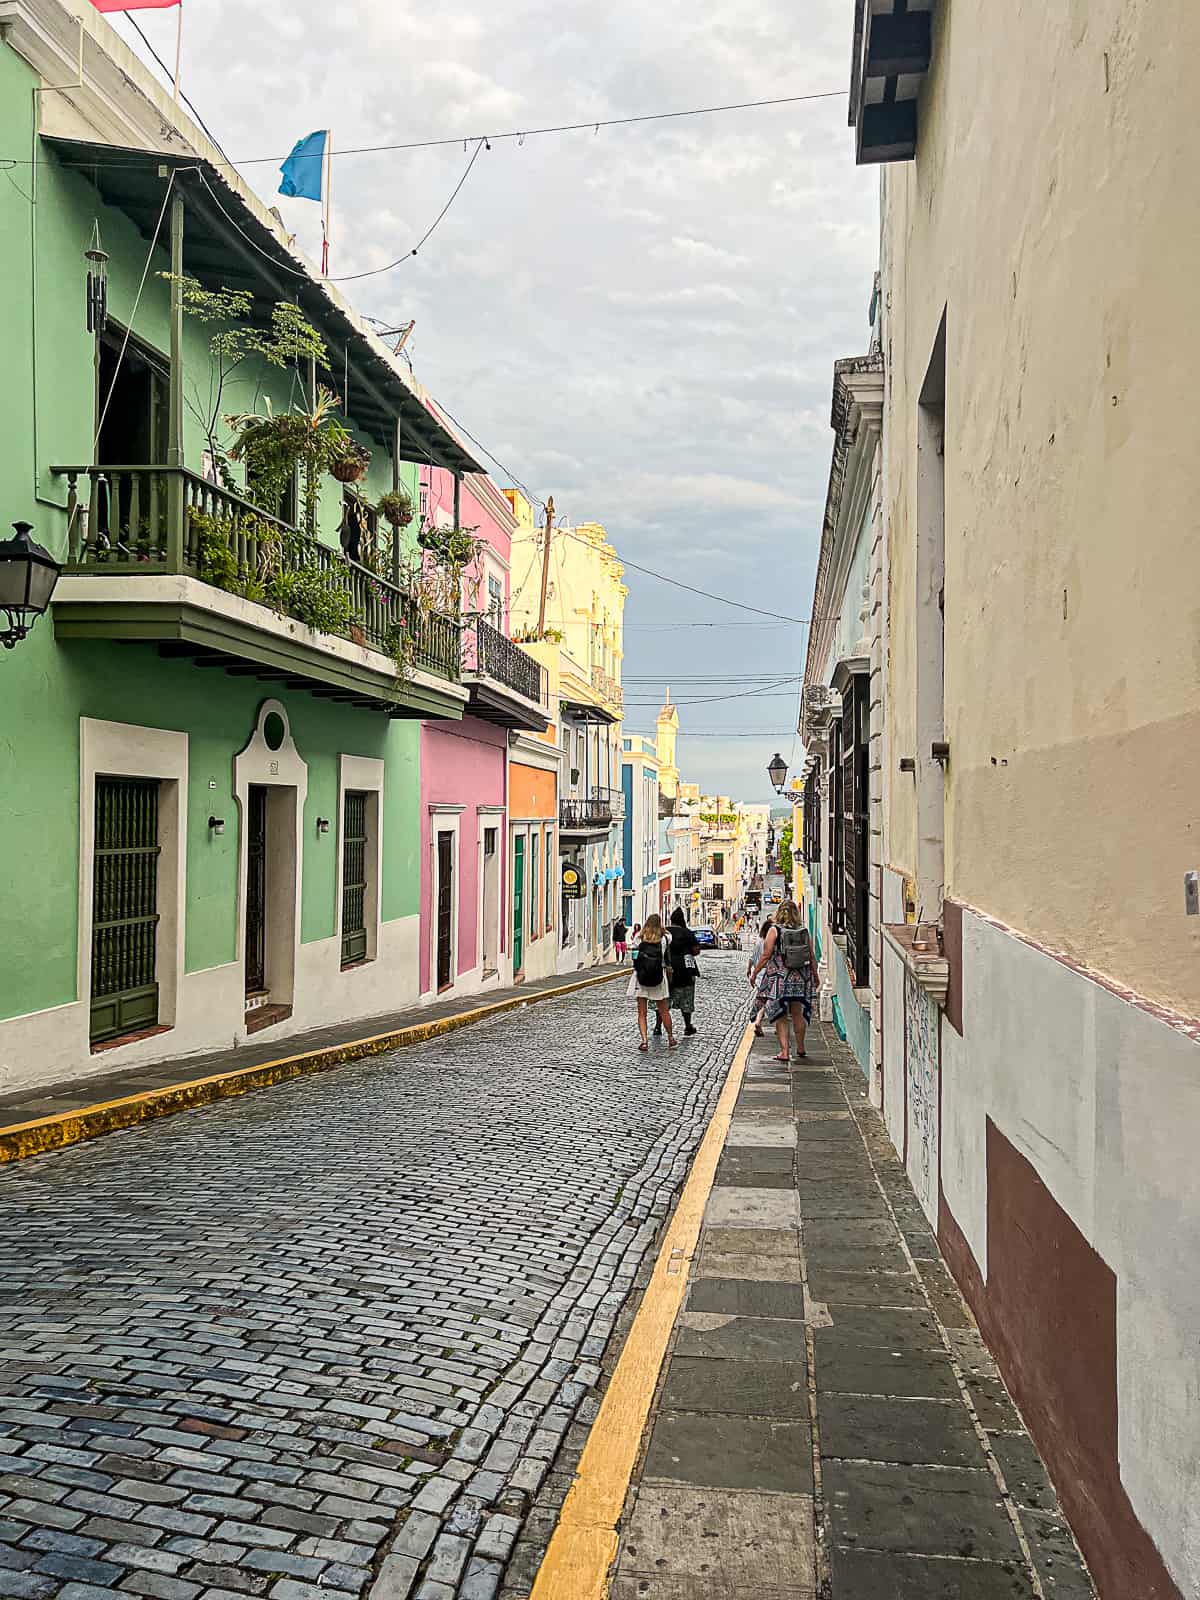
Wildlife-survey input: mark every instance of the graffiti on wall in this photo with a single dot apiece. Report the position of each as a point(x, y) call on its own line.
point(921, 1066)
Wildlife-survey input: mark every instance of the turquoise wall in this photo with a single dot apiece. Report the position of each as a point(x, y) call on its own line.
point(855, 1021)
point(47, 417)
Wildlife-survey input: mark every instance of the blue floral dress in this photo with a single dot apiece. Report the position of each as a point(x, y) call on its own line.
point(780, 986)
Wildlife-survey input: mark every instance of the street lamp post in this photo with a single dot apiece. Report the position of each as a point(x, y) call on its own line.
point(28, 575)
point(777, 772)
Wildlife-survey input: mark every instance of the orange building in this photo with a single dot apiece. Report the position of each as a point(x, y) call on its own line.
point(533, 763)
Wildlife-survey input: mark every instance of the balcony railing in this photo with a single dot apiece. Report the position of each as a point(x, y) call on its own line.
point(614, 799)
point(607, 687)
point(488, 651)
point(581, 814)
point(160, 521)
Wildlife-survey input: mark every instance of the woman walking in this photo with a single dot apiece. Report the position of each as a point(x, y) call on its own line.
point(620, 936)
point(786, 974)
point(756, 950)
point(684, 949)
point(651, 979)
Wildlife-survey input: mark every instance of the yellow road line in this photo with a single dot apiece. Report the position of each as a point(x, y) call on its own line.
point(32, 1138)
point(577, 1562)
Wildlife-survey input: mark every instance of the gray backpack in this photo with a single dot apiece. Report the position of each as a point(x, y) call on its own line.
point(796, 949)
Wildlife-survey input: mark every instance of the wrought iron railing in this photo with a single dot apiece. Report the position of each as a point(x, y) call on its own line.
point(614, 799)
point(490, 652)
point(167, 520)
point(583, 813)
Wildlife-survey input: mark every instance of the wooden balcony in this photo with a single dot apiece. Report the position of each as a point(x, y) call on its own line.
point(162, 556)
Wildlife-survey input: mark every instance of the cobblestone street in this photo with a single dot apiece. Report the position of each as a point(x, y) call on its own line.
point(331, 1335)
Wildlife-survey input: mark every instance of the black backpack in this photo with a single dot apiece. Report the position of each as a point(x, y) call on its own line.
point(648, 964)
point(795, 948)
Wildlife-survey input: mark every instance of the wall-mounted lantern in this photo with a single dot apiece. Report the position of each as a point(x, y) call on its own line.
point(216, 826)
point(322, 824)
point(28, 575)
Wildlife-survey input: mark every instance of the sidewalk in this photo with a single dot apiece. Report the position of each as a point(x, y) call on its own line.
point(828, 1421)
point(52, 1115)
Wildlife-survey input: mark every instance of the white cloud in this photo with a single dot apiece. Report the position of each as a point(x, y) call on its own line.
point(643, 320)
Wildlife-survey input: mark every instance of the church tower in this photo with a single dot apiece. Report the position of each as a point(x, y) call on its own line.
point(668, 732)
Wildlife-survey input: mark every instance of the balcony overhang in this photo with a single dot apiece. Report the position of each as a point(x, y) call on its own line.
point(494, 701)
point(893, 47)
point(589, 711)
point(849, 668)
point(188, 618)
point(227, 244)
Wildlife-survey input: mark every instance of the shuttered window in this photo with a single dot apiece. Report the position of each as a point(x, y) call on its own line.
point(354, 877)
point(124, 908)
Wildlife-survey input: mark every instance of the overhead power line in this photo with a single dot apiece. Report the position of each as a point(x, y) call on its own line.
point(521, 134)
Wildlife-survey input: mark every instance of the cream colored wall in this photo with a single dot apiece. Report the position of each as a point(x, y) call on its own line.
point(1053, 210)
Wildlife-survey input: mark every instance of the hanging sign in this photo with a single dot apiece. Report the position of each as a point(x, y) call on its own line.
point(572, 882)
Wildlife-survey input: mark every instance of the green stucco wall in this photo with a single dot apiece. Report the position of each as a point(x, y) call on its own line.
point(47, 417)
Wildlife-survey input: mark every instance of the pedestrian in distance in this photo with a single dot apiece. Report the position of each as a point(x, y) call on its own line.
point(786, 975)
point(756, 950)
point(620, 937)
point(651, 978)
point(685, 969)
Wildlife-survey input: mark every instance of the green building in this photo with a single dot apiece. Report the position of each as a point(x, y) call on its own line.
point(209, 746)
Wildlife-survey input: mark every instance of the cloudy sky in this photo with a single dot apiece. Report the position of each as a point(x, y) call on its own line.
point(641, 321)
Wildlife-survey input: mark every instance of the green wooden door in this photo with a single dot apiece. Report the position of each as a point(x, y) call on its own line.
point(124, 908)
point(518, 904)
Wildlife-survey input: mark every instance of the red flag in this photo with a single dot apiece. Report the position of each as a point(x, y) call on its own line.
point(134, 5)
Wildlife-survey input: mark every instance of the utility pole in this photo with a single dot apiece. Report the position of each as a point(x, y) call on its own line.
point(546, 565)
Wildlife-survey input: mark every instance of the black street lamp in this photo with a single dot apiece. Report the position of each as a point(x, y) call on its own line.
point(777, 772)
point(28, 575)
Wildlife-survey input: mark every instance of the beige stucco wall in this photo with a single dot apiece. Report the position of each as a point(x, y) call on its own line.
point(1053, 211)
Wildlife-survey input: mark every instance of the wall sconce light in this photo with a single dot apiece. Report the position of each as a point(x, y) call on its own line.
point(322, 824)
point(908, 764)
point(216, 826)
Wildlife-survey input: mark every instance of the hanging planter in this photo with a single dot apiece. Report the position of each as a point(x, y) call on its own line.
point(351, 466)
point(396, 507)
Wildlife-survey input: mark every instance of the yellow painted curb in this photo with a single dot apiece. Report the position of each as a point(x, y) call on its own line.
point(72, 1127)
point(580, 1554)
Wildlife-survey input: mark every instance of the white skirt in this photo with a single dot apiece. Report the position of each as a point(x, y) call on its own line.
point(638, 991)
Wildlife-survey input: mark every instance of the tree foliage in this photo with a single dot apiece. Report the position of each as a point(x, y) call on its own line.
point(785, 851)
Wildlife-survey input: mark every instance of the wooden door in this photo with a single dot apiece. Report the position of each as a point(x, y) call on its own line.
point(256, 889)
point(445, 908)
point(518, 904)
point(124, 908)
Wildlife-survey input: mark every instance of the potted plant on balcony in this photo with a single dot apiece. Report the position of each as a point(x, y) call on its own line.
point(396, 507)
point(350, 464)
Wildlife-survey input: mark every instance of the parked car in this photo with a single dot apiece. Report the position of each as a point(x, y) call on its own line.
point(705, 938)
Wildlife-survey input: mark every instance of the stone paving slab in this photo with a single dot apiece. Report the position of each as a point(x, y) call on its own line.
point(722, 1537)
point(916, 1499)
point(721, 1452)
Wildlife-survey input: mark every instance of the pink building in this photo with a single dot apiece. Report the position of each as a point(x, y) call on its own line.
point(466, 914)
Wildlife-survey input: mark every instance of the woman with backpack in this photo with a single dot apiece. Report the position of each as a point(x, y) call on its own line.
point(786, 974)
point(651, 979)
point(756, 950)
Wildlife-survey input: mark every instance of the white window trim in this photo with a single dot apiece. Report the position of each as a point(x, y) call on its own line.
point(489, 817)
point(444, 819)
point(366, 773)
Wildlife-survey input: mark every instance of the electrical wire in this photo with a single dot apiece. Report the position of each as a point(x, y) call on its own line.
point(520, 135)
point(565, 127)
point(133, 314)
point(170, 76)
point(744, 694)
point(374, 272)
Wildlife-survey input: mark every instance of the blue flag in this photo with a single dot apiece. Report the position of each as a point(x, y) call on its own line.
point(303, 170)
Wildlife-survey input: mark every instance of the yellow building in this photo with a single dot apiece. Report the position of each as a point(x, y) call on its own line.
point(581, 647)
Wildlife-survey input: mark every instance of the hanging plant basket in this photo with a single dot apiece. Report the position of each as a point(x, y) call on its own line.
point(396, 507)
point(351, 466)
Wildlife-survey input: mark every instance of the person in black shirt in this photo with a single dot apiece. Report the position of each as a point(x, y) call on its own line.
point(685, 947)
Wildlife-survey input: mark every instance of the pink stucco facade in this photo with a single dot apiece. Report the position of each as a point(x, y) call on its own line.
point(462, 764)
